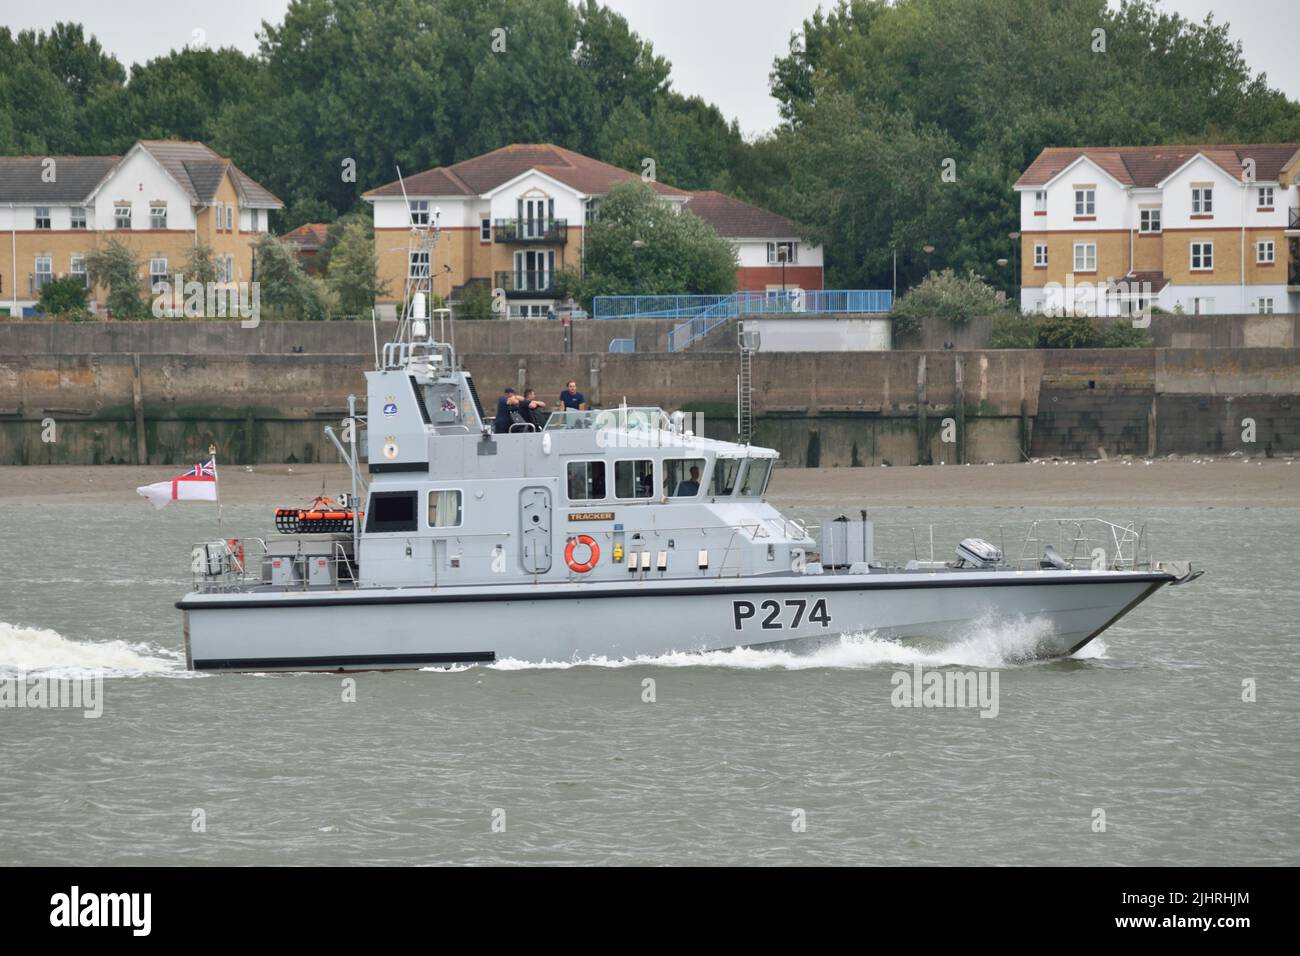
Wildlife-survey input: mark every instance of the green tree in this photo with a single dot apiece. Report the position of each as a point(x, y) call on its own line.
point(475, 302)
point(945, 297)
point(200, 264)
point(63, 297)
point(115, 266)
point(284, 287)
point(353, 275)
point(640, 245)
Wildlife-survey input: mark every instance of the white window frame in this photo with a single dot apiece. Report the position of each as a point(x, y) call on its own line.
point(77, 218)
point(1202, 200)
point(38, 218)
point(44, 275)
point(1260, 202)
point(774, 252)
point(230, 217)
point(77, 267)
point(413, 264)
point(1264, 305)
point(1040, 254)
point(1149, 222)
point(1040, 200)
point(1265, 252)
point(418, 210)
point(1204, 251)
point(484, 229)
point(1085, 202)
point(157, 272)
point(157, 215)
point(122, 218)
point(1089, 259)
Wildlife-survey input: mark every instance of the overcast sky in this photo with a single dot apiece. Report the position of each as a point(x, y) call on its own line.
point(721, 50)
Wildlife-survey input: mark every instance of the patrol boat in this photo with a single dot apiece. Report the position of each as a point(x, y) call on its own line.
point(602, 534)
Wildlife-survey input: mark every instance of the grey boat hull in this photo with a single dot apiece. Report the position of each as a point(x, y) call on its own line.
point(363, 629)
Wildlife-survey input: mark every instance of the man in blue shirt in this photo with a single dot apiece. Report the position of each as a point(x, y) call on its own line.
point(572, 399)
point(506, 404)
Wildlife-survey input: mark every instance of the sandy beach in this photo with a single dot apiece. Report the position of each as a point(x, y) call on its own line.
point(1189, 482)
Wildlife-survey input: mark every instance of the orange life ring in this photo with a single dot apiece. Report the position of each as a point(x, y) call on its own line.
point(590, 563)
point(236, 548)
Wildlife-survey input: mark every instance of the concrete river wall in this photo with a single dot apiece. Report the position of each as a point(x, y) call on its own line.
point(161, 392)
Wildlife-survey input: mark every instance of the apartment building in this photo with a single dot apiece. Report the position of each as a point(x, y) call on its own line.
point(1197, 229)
point(513, 218)
point(161, 199)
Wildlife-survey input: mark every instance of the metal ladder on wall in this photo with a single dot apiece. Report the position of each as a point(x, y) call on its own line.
point(748, 342)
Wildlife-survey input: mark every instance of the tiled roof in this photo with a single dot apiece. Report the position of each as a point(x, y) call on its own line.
point(74, 178)
point(194, 166)
point(739, 220)
point(1147, 166)
point(482, 174)
point(308, 236)
point(1157, 279)
point(199, 171)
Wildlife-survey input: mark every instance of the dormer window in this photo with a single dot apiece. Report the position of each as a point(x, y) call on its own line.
point(1202, 200)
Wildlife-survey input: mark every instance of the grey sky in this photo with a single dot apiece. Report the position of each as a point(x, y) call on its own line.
point(721, 50)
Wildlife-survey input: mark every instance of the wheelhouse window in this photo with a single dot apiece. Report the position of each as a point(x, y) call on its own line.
point(419, 212)
point(586, 480)
point(391, 511)
point(78, 217)
point(682, 477)
point(43, 217)
point(1202, 200)
point(757, 472)
point(158, 216)
point(1149, 221)
point(444, 509)
point(725, 473)
point(1202, 256)
point(122, 216)
point(634, 478)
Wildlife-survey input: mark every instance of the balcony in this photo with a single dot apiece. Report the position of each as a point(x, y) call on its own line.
point(532, 231)
point(1293, 222)
point(526, 284)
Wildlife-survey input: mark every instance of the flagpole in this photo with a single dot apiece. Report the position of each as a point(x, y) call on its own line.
point(212, 456)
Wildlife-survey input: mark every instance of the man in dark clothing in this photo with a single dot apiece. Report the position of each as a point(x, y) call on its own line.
point(533, 410)
point(572, 399)
point(507, 403)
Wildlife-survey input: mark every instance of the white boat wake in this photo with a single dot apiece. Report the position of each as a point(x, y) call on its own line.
point(37, 650)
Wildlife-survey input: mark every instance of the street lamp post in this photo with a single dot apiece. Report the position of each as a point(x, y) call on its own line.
point(637, 246)
point(1015, 259)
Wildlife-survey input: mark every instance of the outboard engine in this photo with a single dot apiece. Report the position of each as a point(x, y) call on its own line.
point(978, 553)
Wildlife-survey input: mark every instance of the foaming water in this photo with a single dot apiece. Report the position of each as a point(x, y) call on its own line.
point(40, 650)
point(987, 645)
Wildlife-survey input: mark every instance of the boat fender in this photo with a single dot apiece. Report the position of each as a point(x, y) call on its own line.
point(582, 567)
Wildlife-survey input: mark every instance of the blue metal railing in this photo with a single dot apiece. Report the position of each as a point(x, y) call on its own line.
point(650, 306)
point(795, 302)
